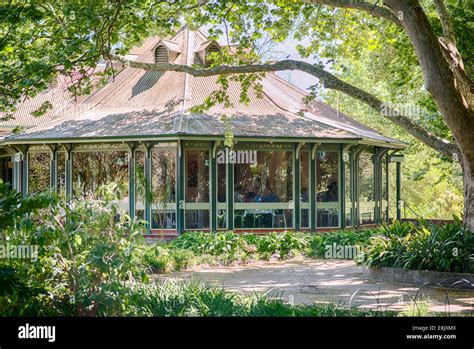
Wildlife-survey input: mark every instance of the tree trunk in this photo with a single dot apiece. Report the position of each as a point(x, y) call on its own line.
point(468, 176)
point(441, 83)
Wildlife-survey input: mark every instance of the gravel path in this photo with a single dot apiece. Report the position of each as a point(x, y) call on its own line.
point(323, 281)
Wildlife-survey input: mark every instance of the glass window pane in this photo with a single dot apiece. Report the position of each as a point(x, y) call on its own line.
point(197, 176)
point(197, 189)
point(366, 189)
point(197, 219)
point(221, 219)
point(327, 172)
point(62, 173)
point(268, 183)
point(92, 170)
point(304, 185)
point(221, 183)
point(269, 180)
point(328, 217)
point(347, 189)
point(39, 172)
point(163, 194)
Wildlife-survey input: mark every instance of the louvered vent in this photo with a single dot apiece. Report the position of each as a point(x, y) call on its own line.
point(210, 50)
point(161, 54)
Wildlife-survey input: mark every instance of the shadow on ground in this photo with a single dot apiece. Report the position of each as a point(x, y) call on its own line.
point(323, 281)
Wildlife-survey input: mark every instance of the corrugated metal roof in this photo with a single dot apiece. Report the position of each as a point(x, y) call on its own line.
point(140, 103)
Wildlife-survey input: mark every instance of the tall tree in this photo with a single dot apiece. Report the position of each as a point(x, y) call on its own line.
point(76, 35)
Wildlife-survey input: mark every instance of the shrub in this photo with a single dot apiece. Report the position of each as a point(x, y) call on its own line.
point(182, 258)
point(448, 248)
point(281, 244)
point(318, 242)
point(158, 259)
point(215, 244)
point(86, 255)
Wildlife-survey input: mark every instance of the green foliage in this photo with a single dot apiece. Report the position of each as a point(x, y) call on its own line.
point(219, 244)
point(158, 259)
point(448, 248)
point(281, 244)
point(198, 299)
point(318, 242)
point(87, 253)
point(14, 206)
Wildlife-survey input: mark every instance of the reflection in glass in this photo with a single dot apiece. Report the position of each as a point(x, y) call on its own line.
point(197, 189)
point(304, 185)
point(366, 189)
point(163, 194)
point(61, 173)
point(327, 195)
point(197, 176)
point(93, 170)
point(39, 172)
point(262, 191)
point(347, 189)
point(327, 177)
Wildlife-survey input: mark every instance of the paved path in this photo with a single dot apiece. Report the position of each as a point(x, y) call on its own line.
point(323, 281)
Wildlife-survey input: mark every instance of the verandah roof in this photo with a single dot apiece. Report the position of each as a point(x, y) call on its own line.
point(140, 103)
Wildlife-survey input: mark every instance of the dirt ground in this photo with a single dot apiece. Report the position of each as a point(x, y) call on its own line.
point(322, 281)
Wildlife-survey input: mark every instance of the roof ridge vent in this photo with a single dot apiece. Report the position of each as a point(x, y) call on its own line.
point(161, 54)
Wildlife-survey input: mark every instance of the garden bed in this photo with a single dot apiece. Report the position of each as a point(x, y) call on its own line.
point(421, 277)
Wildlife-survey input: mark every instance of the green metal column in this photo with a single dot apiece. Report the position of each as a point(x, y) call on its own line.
point(355, 196)
point(312, 185)
point(398, 190)
point(148, 185)
point(377, 187)
point(131, 180)
point(351, 185)
point(213, 191)
point(53, 169)
point(387, 188)
point(17, 172)
point(25, 171)
point(297, 188)
point(180, 188)
point(68, 174)
point(342, 187)
point(230, 194)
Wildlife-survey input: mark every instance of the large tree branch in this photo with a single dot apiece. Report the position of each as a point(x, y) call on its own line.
point(328, 80)
point(448, 31)
point(440, 80)
point(452, 55)
point(373, 9)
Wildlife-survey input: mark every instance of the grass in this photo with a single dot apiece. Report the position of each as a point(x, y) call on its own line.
point(196, 299)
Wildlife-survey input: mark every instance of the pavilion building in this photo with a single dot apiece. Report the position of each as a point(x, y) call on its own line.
point(293, 165)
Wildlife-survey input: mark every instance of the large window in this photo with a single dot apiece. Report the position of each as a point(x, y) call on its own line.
point(6, 170)
point(366, 189)
point(39, 172)
point(327, 188)
point(162, 193)
point(197, 189)
point(263, 191)
point(305, 189)
point(163, 196)
point(61, 175)
point(94, 170)
point(347, 189)
point(221, 196)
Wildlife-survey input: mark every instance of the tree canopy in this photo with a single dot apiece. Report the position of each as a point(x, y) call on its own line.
point(379, 53)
